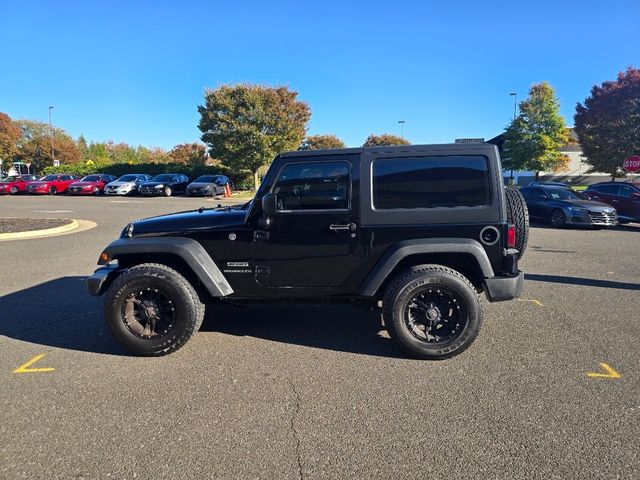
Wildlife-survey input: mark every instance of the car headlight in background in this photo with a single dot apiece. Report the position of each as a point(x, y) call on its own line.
point(577, 211)
point(159, 186)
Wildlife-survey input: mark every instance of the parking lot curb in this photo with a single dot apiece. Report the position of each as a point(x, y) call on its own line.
point(68, 228)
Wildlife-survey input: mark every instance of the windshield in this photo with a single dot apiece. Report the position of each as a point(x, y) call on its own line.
point(49, 178)
point(207, 178)
point(91, 178)
point(563, 194)
point(128, 178)
point(162, 178)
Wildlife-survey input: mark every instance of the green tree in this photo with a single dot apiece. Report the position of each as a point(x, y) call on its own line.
point(386, 139)
point(321, 142)
point(189, 154)
point(9, 135)
point(83, 146)
point(246, 126)
point(608, 122)
point(97, 152)
point(34, 144)
point(534, 138)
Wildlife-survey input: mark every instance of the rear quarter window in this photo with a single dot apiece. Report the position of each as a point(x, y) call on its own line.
point(430, 182)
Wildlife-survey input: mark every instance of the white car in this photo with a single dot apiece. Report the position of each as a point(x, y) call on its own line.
point(126, 184)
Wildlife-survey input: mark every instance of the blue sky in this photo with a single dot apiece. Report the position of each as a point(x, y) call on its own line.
point(135, 71)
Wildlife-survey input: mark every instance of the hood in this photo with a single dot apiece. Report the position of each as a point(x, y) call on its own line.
point(120, 184)
point(588, 204)
point(85, 184)
point(190, 221)
point(201, 184)
point(153, 184)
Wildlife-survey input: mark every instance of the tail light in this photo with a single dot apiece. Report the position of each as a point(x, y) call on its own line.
point(511, 237)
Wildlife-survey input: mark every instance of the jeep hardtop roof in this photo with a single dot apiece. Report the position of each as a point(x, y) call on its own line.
point(443, 147)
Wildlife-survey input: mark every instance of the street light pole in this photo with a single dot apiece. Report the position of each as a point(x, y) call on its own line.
point(401, 122)
point(53, 155)
point(515, 104)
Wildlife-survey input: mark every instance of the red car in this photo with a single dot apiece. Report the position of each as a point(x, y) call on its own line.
point(91, 184)
point(52, 184)
point(15, 184)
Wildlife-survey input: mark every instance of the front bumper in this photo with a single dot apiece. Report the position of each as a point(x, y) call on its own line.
point(591, 218)
point(505, 287)
point(99, 282)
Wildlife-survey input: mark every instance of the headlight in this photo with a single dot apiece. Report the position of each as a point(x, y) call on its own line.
point(577, 210)
point(207, 187)
point(159, 186)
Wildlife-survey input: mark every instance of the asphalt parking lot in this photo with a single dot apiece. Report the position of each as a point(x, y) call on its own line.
point(307, 391)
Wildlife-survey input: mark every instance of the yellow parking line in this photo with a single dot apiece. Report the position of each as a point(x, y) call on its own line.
point(537, 302)
point(24, 368)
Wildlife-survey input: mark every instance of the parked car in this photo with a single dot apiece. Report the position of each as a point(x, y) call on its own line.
point(165, 184)
point(51, 184)
point(15, 184)
point(625, 197)
point(126, 184)
point(549, 184)
point(91, 184)
point(209, 185)
point(562, 206)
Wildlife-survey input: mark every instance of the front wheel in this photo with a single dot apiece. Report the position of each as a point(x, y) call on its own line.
point(432, 312)
point(167, 192)
point(152, 310)
point(14, 190)
point(558, 218)
point(53, 190)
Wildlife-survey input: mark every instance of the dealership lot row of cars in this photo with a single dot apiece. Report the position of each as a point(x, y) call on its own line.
point(165, 184)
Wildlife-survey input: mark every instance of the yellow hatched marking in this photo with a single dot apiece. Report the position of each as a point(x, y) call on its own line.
point(611, 373)
point(537, 302)
point(24, 368)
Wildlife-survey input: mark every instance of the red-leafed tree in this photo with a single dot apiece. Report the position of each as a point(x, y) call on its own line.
point(608, 122)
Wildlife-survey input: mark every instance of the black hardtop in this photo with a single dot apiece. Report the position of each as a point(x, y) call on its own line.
point(445, 148)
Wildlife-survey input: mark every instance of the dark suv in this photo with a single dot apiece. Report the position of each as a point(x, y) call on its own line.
point(625, 197)
point(417, 231)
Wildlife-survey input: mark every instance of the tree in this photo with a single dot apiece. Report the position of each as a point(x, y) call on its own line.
point(246, 126)
point(386, 139)
point(34, 144)
point(533, 140)
point(608, 122)
point(321, 142)
point(9, 135)
point(189, 154)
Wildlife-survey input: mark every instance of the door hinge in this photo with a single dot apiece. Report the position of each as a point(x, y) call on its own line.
point(260, 235)
point(262, 270)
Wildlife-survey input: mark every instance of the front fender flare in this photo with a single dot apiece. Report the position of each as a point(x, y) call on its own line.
point(401, 250)
point(189, 250)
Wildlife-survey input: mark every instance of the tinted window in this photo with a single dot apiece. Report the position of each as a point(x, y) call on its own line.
point(91, 178)
point(426, 182)
point(562, 194)
point(609, 189)
point(313, 186)
point(163, 178)
point(626, 191)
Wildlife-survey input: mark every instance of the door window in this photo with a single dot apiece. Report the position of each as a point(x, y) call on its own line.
point(626, 191)
point(313, 186)
point(607, 189)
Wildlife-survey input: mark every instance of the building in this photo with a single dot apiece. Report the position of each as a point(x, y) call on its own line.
point(576, 173)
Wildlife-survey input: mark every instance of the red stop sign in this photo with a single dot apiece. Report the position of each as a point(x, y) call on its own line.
point(632, 163)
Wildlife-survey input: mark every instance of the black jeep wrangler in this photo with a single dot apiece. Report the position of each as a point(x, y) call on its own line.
point(418, 231)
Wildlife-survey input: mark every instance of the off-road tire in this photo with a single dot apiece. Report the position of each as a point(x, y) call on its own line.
point(518, 216)
point(189, 309)
point(415, 279)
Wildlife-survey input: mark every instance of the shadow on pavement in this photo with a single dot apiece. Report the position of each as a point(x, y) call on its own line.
point(588, 282)
point(338, 327)
point(59, 313)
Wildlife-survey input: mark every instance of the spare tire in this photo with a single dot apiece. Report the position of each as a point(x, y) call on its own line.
point(518, 216)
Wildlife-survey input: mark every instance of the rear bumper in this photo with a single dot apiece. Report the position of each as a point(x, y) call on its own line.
point(505, 287)
point(98, 283)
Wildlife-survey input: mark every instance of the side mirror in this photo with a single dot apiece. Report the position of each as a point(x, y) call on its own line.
point(269, 203)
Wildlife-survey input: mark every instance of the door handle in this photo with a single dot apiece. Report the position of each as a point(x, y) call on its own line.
point(351, 227)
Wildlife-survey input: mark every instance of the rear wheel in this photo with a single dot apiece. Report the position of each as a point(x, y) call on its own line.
point(518, 216)
point(558, 218)
point(152, 310)
point(432, 312)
